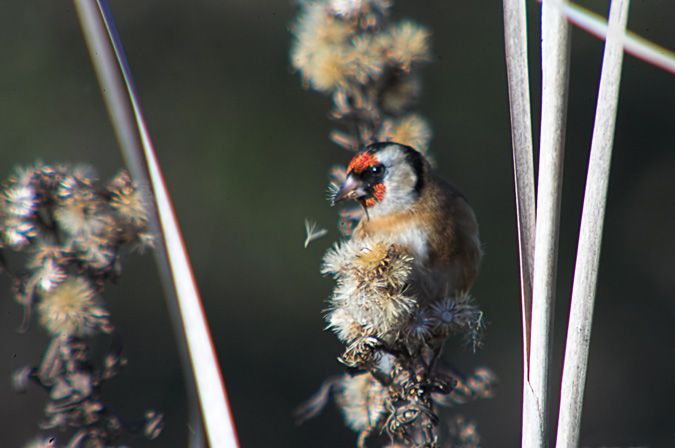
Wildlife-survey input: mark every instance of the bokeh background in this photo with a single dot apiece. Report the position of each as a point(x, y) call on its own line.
point(245, 152)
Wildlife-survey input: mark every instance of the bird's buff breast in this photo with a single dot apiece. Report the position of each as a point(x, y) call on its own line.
point(401, 229)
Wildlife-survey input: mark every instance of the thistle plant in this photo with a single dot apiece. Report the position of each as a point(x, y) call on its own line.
point(387, 307)
point(63, 238)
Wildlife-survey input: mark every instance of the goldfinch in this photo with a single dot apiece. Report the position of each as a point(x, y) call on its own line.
point(408, 204)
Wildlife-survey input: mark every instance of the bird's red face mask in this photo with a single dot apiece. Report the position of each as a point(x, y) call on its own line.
point(364, 182)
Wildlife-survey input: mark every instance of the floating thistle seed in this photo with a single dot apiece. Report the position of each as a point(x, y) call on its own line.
point(313, 232)
point(72, 308)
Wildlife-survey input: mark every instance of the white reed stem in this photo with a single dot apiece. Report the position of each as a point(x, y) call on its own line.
point(555, 69)
point(590, 233)
point(122, 102)
point(515, 26)
point(515, 33)
point(632, 43)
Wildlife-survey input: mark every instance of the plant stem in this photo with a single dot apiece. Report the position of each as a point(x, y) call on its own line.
point(515, 23)
point(590, 233)
point(555, 69)
point(515, 34)
point(202, 374)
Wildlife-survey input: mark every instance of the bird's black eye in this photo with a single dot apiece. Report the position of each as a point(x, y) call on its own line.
point(377, 170)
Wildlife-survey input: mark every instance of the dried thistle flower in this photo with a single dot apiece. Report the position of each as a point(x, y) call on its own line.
point(452, 315)
point(371, 288)
point(358, 8)
point(68, 226)
point(72, 233)
point(129, 201)
point(363, 402)
point(347, 49)
point(411, 130)
point(72, 307)
point(405, 45)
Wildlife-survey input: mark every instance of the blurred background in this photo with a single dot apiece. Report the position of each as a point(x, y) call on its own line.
point(245, 153)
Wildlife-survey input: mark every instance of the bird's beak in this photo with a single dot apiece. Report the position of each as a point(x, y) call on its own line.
point(351, 189)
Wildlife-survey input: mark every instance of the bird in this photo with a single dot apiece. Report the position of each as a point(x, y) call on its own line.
point(407, 203)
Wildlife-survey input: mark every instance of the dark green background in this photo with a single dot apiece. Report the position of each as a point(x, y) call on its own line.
point(245, 152)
